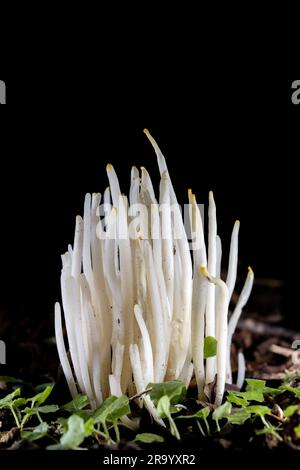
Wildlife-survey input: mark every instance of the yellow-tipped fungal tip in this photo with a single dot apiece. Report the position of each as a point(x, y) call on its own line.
point(238, 222)
point(143, 168)
point(250, 270)
point(190, 192)
point(203, 271)
point(133, 168)
point(146, 131)
point(109, 166)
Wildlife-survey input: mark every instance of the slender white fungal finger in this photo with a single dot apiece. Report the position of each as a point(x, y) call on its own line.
point(70, 324)
point(158, 333)
point(117, 365)
point(160, 158)
point(79, 332)
point(241, 370)
point(197, 235)
point(134, 191)
point(187, 371)
point(114, 184)
point(167, 238)
point(147, 183)
point(86, 251)
point(127, 289)
point(233, 259)
point(198, 322)
point(218, 274)
point(161, 164)
point(198, 294)
point(106, 207)
point(210, 328)
point(140, 384)
point(222, 312)
point(62, 353)
point(77, 250)
point(243, 299)
point(219, 256)
point(146, 349)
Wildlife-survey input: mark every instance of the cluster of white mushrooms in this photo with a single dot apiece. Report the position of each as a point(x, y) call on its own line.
point(138, 302)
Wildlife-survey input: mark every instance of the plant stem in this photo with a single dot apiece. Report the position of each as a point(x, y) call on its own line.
point(15, 416)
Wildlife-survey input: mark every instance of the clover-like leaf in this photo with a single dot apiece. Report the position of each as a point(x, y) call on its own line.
point(148, 438)
point(210, 347)
point(175, 390)
point(77, 404)
point(37, 433)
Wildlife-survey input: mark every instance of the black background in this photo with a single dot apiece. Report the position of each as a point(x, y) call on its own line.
point(235, 135)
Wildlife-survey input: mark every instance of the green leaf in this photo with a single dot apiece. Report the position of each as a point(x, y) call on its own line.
point(293, 390)
point(89, 427)
point(63, 422)
point(47, 408)
point(236, 400)
point(253, 395)
point(163, 411)
point(260, 386)
point(201, 414)
point(163, 407)
point(259, 410)
point(112, 409)
point(41, 387)
point(40, 397)
point(210, 347)
point(75, 431)
point(239, 417)
point(243, 398)
point(29, 411)
point(268, 430)
point(255, 384)
point(37, 433)
point(79, 402)
point(18, 402)
point(148, 438)
point(12, 380)
point(221, 412)
point(290, 410)
point(297, 430)
point(7, 401)
point(75, 434)
point(175, 390)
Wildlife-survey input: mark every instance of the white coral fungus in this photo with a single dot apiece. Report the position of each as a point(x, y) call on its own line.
point(138, 303)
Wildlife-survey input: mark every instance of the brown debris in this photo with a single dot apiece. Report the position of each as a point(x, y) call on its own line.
point(7, 436)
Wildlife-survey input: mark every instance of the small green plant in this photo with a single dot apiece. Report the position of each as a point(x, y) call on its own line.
point(75, 425)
